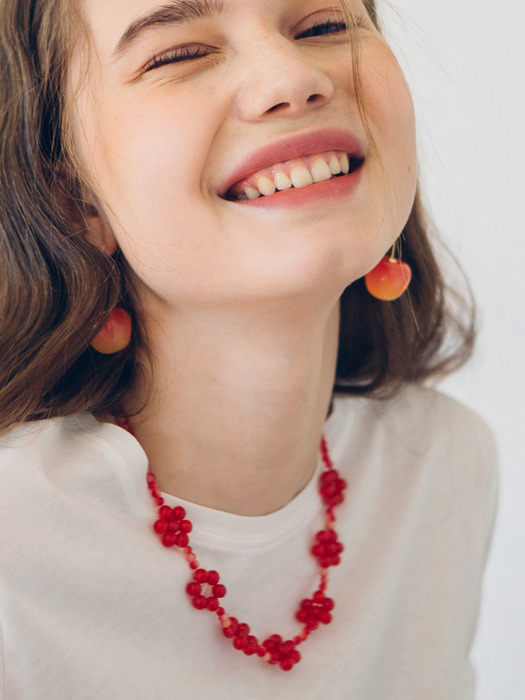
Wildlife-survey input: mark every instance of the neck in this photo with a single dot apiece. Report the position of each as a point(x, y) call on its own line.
point(240, 399)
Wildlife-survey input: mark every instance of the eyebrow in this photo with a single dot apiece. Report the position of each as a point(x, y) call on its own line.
point(175, 12)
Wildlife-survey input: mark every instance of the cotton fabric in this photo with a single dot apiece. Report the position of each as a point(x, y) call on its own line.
point(93, 607)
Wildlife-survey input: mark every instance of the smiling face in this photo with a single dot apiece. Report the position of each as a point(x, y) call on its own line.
point(192, 110)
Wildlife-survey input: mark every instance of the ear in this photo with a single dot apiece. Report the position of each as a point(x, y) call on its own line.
point(99, 231)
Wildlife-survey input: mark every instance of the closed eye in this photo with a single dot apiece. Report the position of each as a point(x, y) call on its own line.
point(182, 53)
point(322, 28)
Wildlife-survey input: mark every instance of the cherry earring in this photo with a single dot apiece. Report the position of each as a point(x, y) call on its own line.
point(115, 334)
point(389, 279)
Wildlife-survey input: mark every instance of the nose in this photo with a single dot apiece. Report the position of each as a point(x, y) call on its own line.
point(280, 80)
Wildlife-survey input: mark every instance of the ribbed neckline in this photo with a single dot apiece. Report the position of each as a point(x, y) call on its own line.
point(219, 528)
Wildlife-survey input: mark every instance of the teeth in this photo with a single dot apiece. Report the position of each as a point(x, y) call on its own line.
point(301, 176)
point(265, 185)
point(321, 170)
point(335, 166)
point(251, 193)
point(282, 181)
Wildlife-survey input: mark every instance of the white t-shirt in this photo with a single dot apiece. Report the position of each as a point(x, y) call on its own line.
point(92, 606)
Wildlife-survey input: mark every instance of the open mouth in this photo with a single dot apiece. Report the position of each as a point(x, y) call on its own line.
point(298, 173)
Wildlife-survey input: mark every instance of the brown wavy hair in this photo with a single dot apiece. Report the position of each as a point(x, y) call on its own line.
point(56, 287)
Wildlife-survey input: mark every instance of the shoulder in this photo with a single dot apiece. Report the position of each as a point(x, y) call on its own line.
point(424, 437)
point(77, 456)
point(424, 419)
point(41, 444)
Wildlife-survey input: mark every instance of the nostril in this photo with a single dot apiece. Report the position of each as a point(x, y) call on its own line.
point(279, 106)
point(312, 99)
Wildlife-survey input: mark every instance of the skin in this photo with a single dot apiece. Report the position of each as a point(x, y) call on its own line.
point(241, 304)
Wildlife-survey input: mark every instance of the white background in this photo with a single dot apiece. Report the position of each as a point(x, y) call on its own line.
point(465, 63)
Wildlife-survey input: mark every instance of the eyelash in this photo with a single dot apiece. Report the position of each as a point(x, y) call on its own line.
point(186, 53)
point(322, 28)
point(183, 53)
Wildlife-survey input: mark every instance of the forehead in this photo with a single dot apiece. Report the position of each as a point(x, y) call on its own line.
point(112, 24)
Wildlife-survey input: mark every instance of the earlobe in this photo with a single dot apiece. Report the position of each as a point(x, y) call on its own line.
point(99, 232)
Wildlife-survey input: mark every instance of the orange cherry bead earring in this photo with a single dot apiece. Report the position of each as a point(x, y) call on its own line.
point(115, 334)
point(389, 279)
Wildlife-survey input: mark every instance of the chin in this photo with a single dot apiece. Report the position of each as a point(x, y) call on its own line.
point(323, 278)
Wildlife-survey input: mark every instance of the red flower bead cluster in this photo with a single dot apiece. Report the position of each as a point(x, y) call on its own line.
point(315, 611)
point(210, 581)
point(172, 527)
point(332, 487)
point(283, 653)
point(327, 548)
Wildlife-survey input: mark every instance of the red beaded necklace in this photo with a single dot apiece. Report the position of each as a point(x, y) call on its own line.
point(205, 591)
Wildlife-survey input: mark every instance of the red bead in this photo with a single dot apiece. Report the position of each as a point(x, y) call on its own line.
point(243, 630)
point(229, 632)
point(165, 512)
point(213, 578)
point(200, 576)
point(286, 648)
point(181, 540)
point(311, 622)
point(199, 602)
point(193, 589)
point(234, 622)
point(239, 643)
point(272, 642)
point(179, 513)
point(251, 645)
point(186, 526)
point(160, 526)
point(295, 656)
point(213, 604)
point(325, 618)
point(219, 591)
point(168, 540)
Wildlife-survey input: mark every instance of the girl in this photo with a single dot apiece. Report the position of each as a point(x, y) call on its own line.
point(204, 206)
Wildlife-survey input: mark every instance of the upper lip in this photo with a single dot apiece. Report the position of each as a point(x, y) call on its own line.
point(295, 146)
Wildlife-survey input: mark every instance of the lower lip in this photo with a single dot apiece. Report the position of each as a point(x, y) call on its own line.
point(327, 191)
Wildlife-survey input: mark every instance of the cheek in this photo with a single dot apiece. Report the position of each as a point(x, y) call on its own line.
point(390, 110)
point(147, 157)
point(154, 149)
